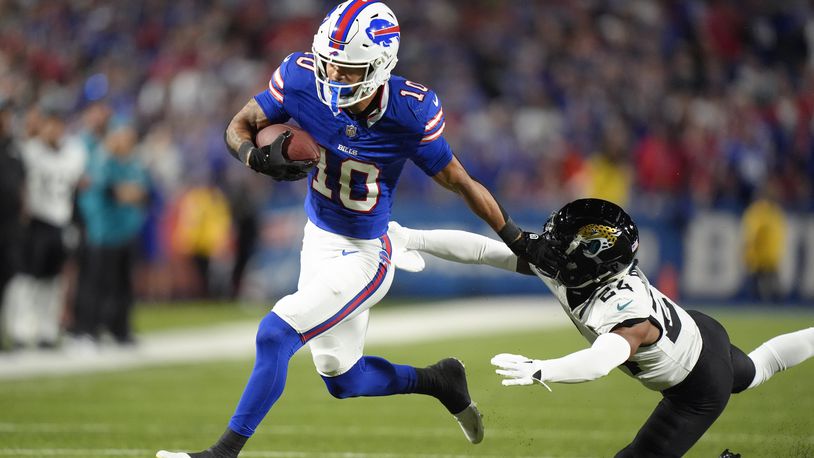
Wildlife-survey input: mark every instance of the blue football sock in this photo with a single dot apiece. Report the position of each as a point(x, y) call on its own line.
point(372, 376)
point(276, 343)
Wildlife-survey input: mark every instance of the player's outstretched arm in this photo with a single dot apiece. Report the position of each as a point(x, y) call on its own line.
point(456, 246)
point(607, 352)
point(455, 178)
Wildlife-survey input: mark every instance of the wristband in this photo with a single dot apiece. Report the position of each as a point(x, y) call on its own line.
point(510, 232)
point(244, 150)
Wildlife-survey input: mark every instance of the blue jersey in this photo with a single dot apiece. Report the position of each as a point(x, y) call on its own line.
point(351, 190)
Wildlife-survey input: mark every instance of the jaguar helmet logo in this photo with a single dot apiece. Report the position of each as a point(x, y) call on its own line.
point(595, 238)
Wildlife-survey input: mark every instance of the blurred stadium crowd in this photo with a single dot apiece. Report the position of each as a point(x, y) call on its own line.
point(665, 107)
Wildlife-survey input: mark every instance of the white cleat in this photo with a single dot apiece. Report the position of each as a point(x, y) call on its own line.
point(166, 454)
point(471, 422)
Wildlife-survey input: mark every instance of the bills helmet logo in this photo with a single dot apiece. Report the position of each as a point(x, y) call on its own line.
point(382, 32)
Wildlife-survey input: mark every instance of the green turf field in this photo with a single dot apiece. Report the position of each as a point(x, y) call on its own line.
point(133, 413)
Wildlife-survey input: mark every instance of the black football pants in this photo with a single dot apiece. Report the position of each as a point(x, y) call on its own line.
point(105, 292)
point(689, 408)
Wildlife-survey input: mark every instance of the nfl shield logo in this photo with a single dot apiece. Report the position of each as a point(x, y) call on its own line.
point(350, 130)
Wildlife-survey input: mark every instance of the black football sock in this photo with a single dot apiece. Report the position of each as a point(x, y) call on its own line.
point(426, 381)
point(446, 382)
point(228, 446)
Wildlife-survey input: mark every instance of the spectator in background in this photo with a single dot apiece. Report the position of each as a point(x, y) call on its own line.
point(12, 178)
point(610, 171)
point(658, 162)
point(201, 230)
point(93, 127)
point(245, 204)
point(162, 158)
point(53, 165)
point(764, 237)
point(114, 215)
point(95, 119)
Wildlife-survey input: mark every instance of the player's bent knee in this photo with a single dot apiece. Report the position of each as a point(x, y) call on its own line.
point(340, 387)
point(327, 364)
point(273, 330)
point(347, 385)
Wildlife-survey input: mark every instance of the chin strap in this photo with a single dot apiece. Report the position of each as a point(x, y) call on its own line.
point(338, 90)
point(334, 98)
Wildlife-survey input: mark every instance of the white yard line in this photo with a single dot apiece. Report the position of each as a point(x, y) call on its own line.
point(397, 325)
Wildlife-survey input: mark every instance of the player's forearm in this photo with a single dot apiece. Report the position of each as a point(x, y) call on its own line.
point(236, 135)
point(607, 352)
point(483, 204)
point(463, 247)
point(455, 178)
point(243, 127)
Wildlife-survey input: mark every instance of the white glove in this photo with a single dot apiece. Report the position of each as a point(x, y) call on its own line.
point(518, 370)
point(403, 258)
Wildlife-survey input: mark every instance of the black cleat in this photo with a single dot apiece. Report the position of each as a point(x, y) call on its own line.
point(204, 454)
point(727, 454)
point(446, 380)
point(228, 446)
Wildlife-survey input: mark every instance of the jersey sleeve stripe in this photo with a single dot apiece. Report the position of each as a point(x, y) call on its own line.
point(275, 93)
point(434, 121)
point(278, 80)
point(433, 136)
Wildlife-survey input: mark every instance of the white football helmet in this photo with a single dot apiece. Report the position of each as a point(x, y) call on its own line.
point(358, 34)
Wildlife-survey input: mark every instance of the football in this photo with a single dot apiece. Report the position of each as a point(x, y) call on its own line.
point(299, 147)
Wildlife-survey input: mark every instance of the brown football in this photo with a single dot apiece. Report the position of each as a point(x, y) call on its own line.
point(299, 147)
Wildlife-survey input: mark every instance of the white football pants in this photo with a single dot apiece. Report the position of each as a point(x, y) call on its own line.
point(340, 279)
point(32, 309)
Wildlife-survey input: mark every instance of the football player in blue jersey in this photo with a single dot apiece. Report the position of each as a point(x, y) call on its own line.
point(369, 124)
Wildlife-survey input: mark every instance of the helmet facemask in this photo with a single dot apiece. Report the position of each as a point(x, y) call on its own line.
point(337, 94)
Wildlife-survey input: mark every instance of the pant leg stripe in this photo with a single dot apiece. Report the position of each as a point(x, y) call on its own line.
point(354, 303)
point(367, 291)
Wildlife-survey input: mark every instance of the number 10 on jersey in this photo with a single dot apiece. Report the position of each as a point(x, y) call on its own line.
point(341, 177)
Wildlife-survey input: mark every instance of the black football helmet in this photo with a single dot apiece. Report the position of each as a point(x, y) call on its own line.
point(596, 239)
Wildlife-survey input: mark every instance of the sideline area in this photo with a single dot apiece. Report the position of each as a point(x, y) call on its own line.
point(395, 325)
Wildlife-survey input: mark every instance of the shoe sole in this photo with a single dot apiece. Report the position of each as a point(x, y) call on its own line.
point(471, 416)
point(166, 454)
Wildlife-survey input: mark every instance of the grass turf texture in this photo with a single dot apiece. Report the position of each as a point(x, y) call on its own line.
point(136, 412)
point(180, 315)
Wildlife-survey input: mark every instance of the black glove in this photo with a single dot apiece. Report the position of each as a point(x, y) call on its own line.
point(546, 253)
point(520, 245)
point(269, 160)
